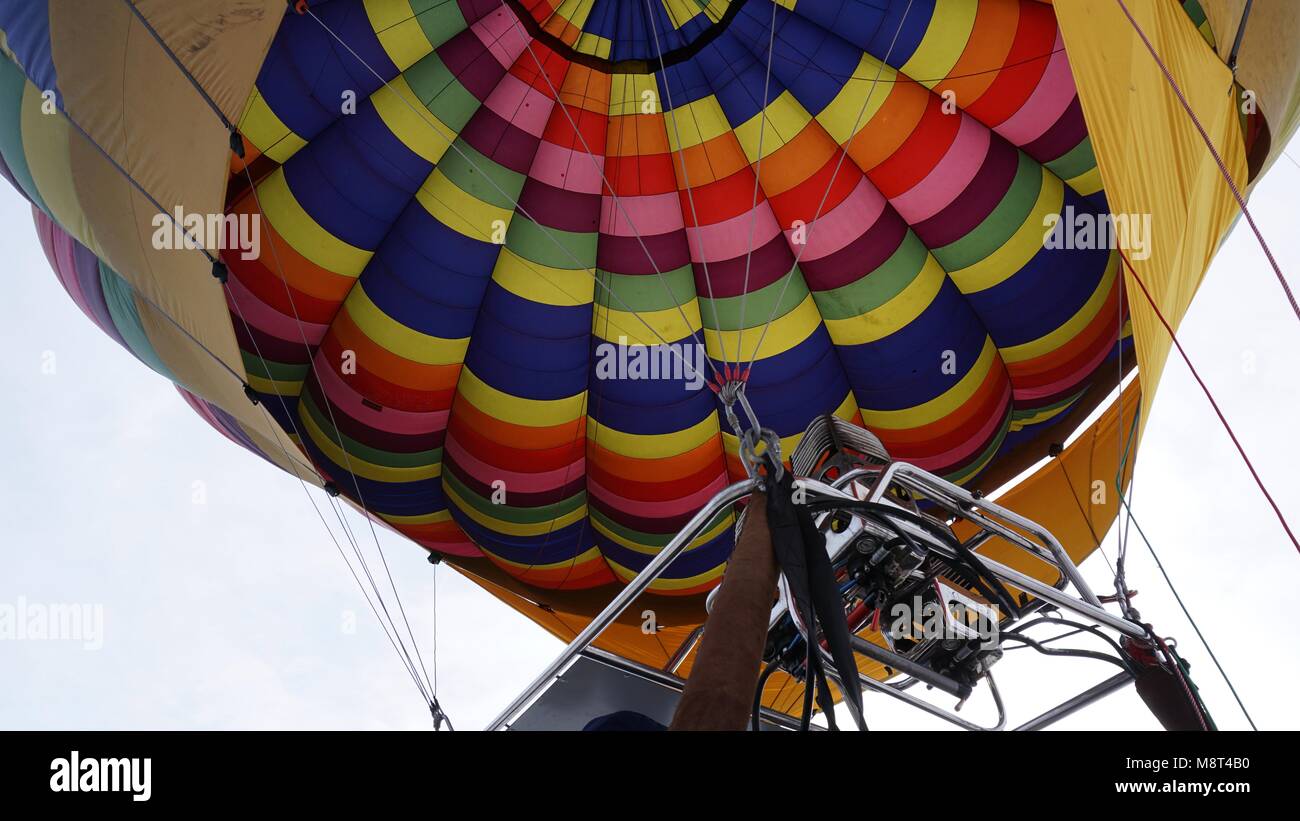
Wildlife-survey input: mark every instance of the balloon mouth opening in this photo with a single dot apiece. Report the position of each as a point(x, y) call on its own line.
point(652, 60)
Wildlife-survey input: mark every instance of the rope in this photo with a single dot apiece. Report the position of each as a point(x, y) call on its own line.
point(1187, 613)
point(1223, 168)
point(1208, 395)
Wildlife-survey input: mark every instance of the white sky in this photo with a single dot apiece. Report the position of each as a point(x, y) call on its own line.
point(232, 613)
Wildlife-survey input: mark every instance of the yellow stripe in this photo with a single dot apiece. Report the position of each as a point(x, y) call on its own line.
point(304, 233)
point(403, 341)
point(1027, 241)
point(784, 333)
point(895, 314)
point(695, 122)
point(945, 39)
point(942, 405)
point(275, 387)
point(359, 466)
point(542, 283)
point(783, 121)
point(399, 32)
point(589, 43)
point(459, 210)
point(419, 519)
point(654, 445)
point(46, 146)
point(840, 113)
point(516, 410)
point(1074, 326)
point(667, 323)
point(1089, 182)
point(625, 94)
point(417, 127)
point(266, 131)
point(661, 583)
point(592, 554)
point(651, 550)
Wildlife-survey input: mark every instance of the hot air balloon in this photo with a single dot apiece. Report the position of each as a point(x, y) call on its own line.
point(492, 270)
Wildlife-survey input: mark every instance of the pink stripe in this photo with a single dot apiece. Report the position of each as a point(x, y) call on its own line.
point(264, 318)
point(949, 177)
point(567, 168)
point(657, 510)
point(515, 480)
point(392, 420)
point(521, 105)
point(1066, 382)
point(730, 238)
point(652, 215)
point(1048, 101)
point(502, 35)
point(843, 224)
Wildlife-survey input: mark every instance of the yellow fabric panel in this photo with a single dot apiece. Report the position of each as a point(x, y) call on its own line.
point(1151, 158)
point(1073, 495)
point(125, 97)
point(1269, 60)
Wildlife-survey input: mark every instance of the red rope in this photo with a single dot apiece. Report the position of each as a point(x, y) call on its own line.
point(1223, 168)
point(1204, 388)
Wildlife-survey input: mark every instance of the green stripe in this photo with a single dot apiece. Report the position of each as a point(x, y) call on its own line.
point(1076, 161)
point(515, 515)
point(551, 246)
point(658, 540)
point(13, 84)
point(440, 19)
point(417, 459)
point(879, 286)
point(643, 293)
point(998, 226)
point(758, 306)
point(441, 93)
point(480, 177)
point(120, 299)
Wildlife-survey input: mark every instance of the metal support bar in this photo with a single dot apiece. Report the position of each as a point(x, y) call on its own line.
point(905, 665)
point(1089, 696)
point(724, 498)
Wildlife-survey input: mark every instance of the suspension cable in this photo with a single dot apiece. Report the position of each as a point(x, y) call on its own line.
point(194, 244)
point(1214, 404)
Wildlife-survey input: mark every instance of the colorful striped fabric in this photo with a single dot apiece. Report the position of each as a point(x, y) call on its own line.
point(441, 268)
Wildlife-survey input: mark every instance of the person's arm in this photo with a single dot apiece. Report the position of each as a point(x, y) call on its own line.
point(719, 694)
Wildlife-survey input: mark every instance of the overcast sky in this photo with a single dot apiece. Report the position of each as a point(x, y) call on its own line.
point(235, 612)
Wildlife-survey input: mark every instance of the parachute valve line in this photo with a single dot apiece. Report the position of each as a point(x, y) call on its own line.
point(1210, 396)
point(1223, 168)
